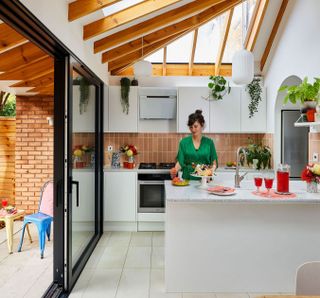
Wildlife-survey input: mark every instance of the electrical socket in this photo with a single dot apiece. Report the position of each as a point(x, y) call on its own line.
point(315, 157)
point(110, 148)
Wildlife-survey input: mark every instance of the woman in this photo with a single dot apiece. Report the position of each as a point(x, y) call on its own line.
point(195, 149)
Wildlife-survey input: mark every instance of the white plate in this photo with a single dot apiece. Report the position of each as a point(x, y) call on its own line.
point(198, 176)
point(222, 193)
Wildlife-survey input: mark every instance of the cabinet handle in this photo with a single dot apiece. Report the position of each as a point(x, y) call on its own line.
point(76, 183)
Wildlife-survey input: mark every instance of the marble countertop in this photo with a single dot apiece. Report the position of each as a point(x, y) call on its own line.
point(192, 194)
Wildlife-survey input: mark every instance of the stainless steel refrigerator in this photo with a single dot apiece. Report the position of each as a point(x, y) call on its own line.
point(294, 143)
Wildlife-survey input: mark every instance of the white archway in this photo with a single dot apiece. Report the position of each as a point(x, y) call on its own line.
point(289, 81)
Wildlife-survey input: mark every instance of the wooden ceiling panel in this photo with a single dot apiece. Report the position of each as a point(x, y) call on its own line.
point(44, 80)
point(30, 71)
point(80, 8)
point(171, 30)
point(170, 17)
point(42, 89)
point(9, 38)
point(193, 51)
point(124, 16)
point(19, 56)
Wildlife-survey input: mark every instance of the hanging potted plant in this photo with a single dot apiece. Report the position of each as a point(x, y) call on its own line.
point(125, 89)
point(84, 87)
point(219, 87)
point(254, 89)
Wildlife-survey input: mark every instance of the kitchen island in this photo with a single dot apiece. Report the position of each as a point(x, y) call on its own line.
point(239, 243)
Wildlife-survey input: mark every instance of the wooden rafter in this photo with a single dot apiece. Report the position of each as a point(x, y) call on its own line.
point(40, 81)
point(30, 70)
point(124, 16)
point(164, 64)
point(181, 70)
point(18, 56)
point(256, 20)
point(273, 33)
point(187, 24)
point(41, 89)
point(143, 28)
point(193, 51)
point(9, 38)
point(80, 8)
point(137, 55)
point(223, 41)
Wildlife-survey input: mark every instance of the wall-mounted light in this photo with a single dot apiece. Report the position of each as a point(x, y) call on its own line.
point(50, 120)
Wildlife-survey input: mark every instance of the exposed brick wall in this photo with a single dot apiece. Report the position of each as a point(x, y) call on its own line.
point(34, 149)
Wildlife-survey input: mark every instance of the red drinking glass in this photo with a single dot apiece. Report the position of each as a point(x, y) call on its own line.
point(268, 182)
point(4, 203)
point(258, 182)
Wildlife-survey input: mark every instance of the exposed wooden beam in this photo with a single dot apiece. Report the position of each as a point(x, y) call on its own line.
point(80, 8)
point(40, 81)
point(223, 41)
point(164, 64)
point(188, 24)
point(193, 51)
point(253, 33)
point(143, 28)
point(133, 57)
point(29, 71)
point(48, 87)
point(19, 56)
point(9, 38)
point(124, 16)
point(182, 70)
point(273, 33)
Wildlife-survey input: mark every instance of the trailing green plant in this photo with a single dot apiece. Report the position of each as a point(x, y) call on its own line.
point(254, 89)
point(84, 88)
point(260, 152)
point(7, 104)
point(218, 87)
point(303, 92)
point(125, 89)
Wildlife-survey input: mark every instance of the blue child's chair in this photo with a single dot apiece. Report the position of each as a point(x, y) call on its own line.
point(43, 218)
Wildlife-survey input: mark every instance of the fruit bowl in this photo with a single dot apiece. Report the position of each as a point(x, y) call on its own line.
point(179, 182)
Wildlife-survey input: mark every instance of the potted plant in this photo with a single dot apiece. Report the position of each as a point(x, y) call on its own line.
point(219, 87)
point(254, 89)
point(125, 89)
point(84, 87)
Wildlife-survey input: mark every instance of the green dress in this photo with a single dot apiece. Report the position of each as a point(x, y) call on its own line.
point(187, 154)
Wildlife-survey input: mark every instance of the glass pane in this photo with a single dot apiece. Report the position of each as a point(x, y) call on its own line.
point(156, 57)
point(83, 174)
point(234, 41)
point(119, 6)
point(174, 52)
point(209, 36)
point(248, 8)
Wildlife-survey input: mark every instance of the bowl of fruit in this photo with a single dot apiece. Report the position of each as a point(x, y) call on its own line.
point(231, 165)
point(176, 181)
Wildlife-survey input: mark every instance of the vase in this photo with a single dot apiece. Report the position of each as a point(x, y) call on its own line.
point(312, 187)
point(131, 159)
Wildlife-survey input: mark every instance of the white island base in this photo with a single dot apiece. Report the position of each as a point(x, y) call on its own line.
point(220, 244)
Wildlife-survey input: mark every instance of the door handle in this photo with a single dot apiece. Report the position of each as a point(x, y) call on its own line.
point(76, 183)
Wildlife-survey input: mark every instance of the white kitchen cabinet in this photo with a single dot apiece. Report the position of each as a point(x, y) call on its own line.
point(85, 212)
point(191, 99)
point(258, 123)
point(225, 113)
point(118, 120)
point(120, 196)
point(84, 122)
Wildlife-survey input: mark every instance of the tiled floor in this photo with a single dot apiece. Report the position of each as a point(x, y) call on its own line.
point(131, 265)
point(24, 274)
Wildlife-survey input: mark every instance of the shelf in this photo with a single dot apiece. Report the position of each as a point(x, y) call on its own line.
point(301, 123)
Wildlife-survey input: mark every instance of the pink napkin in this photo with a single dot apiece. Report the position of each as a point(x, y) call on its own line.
point(222, 189)
point(274, 195)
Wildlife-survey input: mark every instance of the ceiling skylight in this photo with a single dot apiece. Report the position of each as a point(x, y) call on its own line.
point(179, 50)
point(119, 6)
point(156, 57)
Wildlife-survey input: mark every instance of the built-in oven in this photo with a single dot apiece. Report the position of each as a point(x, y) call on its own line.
point(151, 196)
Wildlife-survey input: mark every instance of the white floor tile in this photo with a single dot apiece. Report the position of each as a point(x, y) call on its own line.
point(119, 239)
point(141, 239)
point(157, 286)
point(259, 295)
point(138, 257)
point(103, 283)
point(158, 239)
point(157, 261)
point(113, 258)
point(95, 257)
point(233, 295)
point(199, 295)
point(134, 284)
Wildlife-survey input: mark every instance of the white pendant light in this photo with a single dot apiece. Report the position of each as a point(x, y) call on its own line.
point(142, 67)
point(242, 67)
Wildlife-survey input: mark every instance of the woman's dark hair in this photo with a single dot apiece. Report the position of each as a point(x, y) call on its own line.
point(196, 116)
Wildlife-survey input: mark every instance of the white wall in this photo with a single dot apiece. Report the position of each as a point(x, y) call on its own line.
point(54, 15)
point(296, 50)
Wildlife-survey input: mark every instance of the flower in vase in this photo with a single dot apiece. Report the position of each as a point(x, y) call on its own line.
point(311, 173)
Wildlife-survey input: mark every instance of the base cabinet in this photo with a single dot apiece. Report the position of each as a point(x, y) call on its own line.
point(120, 196)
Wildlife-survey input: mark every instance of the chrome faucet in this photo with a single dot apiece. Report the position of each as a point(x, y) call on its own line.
point(237, 177)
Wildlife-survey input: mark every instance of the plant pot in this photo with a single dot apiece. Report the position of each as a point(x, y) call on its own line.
point(310, 104)
point(310, 115)
point(312, 187)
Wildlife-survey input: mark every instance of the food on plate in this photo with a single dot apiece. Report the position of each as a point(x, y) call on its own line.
point(179, 182)
point(231, 164)
point(203, 170)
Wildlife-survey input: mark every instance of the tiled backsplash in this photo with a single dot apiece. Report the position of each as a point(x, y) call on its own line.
point(314, 144)
point(162, 147)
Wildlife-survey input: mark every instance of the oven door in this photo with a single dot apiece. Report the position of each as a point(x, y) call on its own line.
point(151, 196)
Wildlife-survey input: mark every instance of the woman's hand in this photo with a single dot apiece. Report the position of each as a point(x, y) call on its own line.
point(173, 172)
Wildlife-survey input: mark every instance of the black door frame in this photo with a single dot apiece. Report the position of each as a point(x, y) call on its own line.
point(16, 15)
